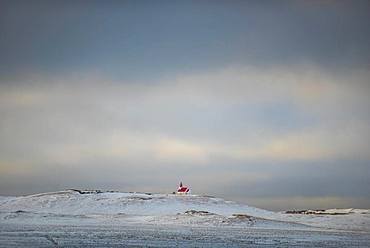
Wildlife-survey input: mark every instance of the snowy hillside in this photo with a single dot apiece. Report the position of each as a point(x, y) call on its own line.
point(72, 202)
point(114, 208)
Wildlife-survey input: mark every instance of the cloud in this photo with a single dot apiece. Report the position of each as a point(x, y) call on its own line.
point(238, 132)
point(177, 150)
point(304, 85)
point(123, 145)
point(73, 119)
point(315, 144)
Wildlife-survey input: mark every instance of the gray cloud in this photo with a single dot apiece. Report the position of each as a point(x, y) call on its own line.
point(132, 40)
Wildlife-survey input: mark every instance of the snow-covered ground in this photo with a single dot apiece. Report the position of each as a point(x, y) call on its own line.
point(58, 218)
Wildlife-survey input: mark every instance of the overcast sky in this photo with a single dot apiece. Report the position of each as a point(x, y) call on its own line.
point(263, 102)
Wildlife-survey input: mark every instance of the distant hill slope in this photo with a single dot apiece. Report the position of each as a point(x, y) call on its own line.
point(97, 202)
point(97, 207)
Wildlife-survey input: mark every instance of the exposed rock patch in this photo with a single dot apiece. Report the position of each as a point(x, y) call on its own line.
point(196, 212)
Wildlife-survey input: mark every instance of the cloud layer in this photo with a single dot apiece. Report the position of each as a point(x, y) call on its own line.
point(233, 125)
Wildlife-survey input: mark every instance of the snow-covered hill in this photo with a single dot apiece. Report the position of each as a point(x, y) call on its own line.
point(114, 208)
point(73, 202)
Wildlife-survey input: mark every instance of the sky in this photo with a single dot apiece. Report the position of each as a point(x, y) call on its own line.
point(261, 102)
